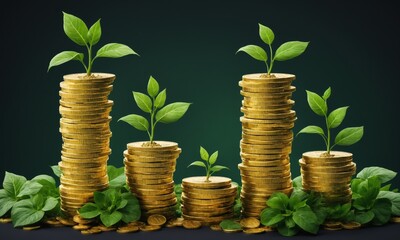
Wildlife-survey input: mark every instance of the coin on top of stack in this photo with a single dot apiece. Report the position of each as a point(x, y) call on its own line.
point(267, 137)
point(208, 201)
point(149, 172)
point(84, 126)
point(328, 175)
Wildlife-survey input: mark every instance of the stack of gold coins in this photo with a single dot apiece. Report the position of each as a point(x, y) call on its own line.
point(208, 201)
point(266, 139)
point(149, 170)
point(85, 130)
point(328, 175)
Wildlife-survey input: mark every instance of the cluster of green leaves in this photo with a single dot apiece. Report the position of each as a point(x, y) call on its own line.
point(373, 203)
point(230, 224)
point(178, 192)
point(115, 204)
point(237, 208)
point(345, 137)
point(290, 214)
point(28, 202)
point(78, 32)
point(285, 52)
point(153, 103)
point(208, 162)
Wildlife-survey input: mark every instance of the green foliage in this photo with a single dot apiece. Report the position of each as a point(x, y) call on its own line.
point(319, 106)
point(78, 32)
point(285, 52)
point(237, 208)
point(208, 162)
point(28, 202)
point(153, 103)
point(112, 206)
point(116, 177)
point(230, 225)
point(289, 215)
point(178, 192)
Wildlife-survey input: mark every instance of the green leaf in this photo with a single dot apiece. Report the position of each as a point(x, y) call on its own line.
point(255, 52)
point(213, 158)
point(44, 177)
point(382, 210)
point(29, 188)
point(278, 201)
point(271, 216)
point(131, 212)
point(136, 121)
point(152, 87)
point(94, 33)
point(172, 112)
point(6, 202)
point(289, 222)
point(75, 29)
point(100, 200)
point(383, 174)
point(312, 130)
point(306, 219)
point(50, 204)
point(286, 231)
point(114, 172)
point(266, 34)
point(297, 182)
point(24, 213)
point(89, 210)
point(217, 168)
point(336, 117)
point(13, 184)
point(290, 50)
point(143, 101)
point(316, 103)
point(118, 182)
point(64, 57)
point(160, 99)
point(327, 94)
point(109, 219)
point(394, 199)
point(364, 217)
point(56, 170)
point(121, 204)
point(230, 225)
point(204, 154)
point(114, 50)
point(349, 136)
point(198, 163)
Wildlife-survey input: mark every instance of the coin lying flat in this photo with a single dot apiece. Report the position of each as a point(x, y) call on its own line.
point(250, 222)
point(156, 220)
point(190, 224)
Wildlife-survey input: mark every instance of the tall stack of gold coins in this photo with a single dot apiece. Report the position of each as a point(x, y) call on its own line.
point(328, 175)
point(208, 202)
point(84, 126)
point(266, 139)
point(149, 171)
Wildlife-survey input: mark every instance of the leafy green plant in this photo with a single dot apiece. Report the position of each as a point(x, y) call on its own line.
point(153, 103)
point(208, 162)
point(285, 52)
point(178, 192)
point(237, 208)
point(289, 215)
point(112, 206)
point(373, 203)
point(28, 202)
point(229, 224)
point(78, 32)
point(345, 137)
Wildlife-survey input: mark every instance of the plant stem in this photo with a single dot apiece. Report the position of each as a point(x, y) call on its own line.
point(271, 61)
point(153, 125)
point(90, 63)
point(328, 140)
point(266, 64)
point(208, 171)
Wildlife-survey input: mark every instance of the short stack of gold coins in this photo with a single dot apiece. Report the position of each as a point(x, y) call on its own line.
point(84, 126)
point(266, 139)
point(149, 172)
point(328, 175)
point(208, 202)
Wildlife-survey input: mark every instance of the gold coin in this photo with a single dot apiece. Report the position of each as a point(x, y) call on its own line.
point(215, 227)
point(150, 204)
point(336, 156)
point(351, 225)
point(149, 228)
point(200, 182)
point(220, 191)
point(231, 230)
point(207, 196)
point(150, 159)
point(175, 222)
point(206, 209)
point(93, 230)
point(283, 167)
point(134, 164)
point(254, 230)
point(162, 146)
point(266, 164)
point(250, 222)
point(262, 78)
point(85, 85)
point(154, 186)
point(83, 96)
point(141, 176)
point(106, 229)
point(206, 214)
point(264, 157)
point(76, 89)
point(128, 229)
point(156, 220)
point(132, 180)
point(174, 154)
point(95, 78)
point(66, 221)
point(276, 145)
point(268, 95)
point(86, 107)
point(265, 180)
point(30, 228)
point(81, 227)
point(208, 202)
point(87, 121)
point(247, 87)
point(139, 170)
point(145, 191)
point(5, 220)
point(80, 220)
point(191, 224)
point(88, 137)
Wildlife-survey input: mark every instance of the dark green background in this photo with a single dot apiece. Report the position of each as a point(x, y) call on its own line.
point(189, 47)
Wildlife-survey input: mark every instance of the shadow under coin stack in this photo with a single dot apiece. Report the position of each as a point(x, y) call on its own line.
point(85, 130)
point(330, 176)
point(149, 173)
point(266, 139)
point(208, 202)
